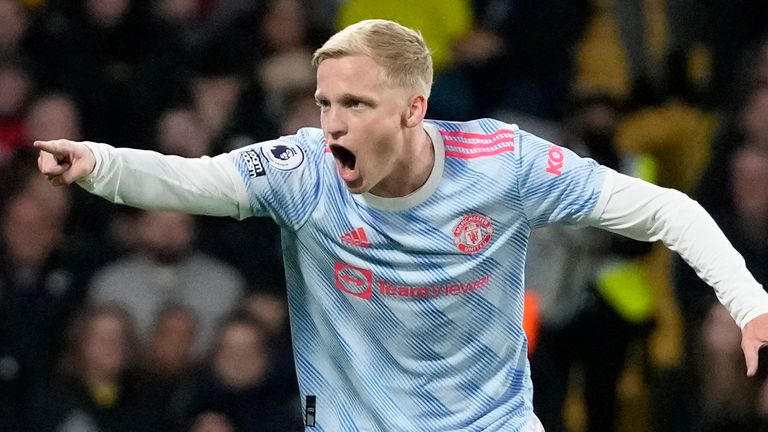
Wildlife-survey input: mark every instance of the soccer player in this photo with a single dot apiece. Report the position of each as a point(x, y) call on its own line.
point(404, 238)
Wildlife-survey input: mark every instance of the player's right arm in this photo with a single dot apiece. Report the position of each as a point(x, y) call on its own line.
point(146, 179)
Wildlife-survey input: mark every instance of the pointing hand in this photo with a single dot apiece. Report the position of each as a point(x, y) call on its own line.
point(64, 161)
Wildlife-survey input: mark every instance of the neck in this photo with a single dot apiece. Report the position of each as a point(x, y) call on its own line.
point(412, 170)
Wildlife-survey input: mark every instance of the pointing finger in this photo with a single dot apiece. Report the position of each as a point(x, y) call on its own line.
point(54, 146)
point(49, 166)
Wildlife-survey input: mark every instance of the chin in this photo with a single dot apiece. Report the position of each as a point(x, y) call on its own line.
point(357, 188)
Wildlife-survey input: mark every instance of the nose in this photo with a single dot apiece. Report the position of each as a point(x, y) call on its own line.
point(334, 122)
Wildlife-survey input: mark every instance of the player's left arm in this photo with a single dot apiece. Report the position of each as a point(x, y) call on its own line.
point(643, 211)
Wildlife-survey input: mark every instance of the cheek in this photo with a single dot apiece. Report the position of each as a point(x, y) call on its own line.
point(378, 150)
point(376, 137)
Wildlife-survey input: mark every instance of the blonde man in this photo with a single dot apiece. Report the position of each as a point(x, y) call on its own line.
point(404, 239)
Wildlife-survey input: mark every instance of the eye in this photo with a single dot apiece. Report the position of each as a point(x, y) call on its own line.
point(354, 103)
point(322, 103)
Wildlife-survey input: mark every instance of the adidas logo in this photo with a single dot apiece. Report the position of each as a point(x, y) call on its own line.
point(356, 237)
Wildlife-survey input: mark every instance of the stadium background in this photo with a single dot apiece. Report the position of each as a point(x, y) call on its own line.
point(114, 319)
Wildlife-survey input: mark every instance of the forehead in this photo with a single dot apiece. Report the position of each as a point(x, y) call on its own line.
point(349, 74)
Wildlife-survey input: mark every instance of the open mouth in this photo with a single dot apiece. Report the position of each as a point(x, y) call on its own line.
point(344, 156)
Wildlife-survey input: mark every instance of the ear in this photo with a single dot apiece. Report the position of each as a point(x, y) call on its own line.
point(416, 110)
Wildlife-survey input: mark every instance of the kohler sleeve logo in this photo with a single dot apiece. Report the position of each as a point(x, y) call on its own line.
point(555, 158)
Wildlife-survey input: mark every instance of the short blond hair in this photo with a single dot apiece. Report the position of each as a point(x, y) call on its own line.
point(401, 51)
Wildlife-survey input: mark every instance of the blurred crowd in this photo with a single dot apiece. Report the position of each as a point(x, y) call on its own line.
point(115, 319)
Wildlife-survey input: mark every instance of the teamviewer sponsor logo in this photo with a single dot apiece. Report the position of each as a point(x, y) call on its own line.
point(451, 289)
point(353, 280)
point(362, 283)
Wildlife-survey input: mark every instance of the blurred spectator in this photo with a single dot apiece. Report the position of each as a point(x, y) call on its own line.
point(260, 260)
point(743, 23)
point(239, 93)
point(237, 384)
point(52, 116)
point(181, 15)
point(97, 390)
point(177, 11)
point(122, 230)
point(221, 90)
point(300, 111)
point(16, 85)
point(169, 353)
point(271, 311)
point(112, 54)
point(287, 39)
point(726, 395)
point(749, 185)
point(169, 269)
point(14, 23)
point(181, 132)
point(518, 59)
point(231, 108)
point(742, 123)
point(43, 275)
point(753, 118)
point(208, 30)
point(216, 101)
point(211, 422)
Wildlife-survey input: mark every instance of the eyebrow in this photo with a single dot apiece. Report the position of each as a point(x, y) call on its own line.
point(348, 97)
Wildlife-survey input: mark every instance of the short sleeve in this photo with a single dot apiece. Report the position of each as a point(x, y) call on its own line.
point(556, 185)
point(282, 177)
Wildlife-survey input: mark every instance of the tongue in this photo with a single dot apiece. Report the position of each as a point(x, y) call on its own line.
point(346, 173)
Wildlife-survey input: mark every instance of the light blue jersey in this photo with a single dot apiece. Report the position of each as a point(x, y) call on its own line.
point(407, 312)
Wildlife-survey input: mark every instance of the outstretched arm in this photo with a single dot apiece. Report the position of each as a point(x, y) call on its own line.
point(644, 211)
point(147, 179)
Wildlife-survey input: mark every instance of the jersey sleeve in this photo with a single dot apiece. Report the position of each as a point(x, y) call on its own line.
point(282, 176)
point(555, 184)
point(153, 181)
point(643, 211)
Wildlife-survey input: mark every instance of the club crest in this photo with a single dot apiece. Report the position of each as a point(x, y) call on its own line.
point(472, 233)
